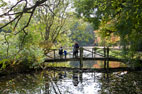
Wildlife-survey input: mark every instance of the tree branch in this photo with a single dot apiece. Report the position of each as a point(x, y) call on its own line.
point(10, 22)
point(19, 14)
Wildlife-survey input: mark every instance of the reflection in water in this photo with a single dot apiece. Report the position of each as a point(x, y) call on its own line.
point(73, 82)
point(60, 75)
point(77, 77)
point(106, 77)
point(47, 86)
point(97, 64)
point(75, 64)
point(106, 64)
point(88, 64)
point(123, 83)
point(111, 64)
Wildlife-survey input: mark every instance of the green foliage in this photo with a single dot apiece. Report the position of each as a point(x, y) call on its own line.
point(61, 64)
point(51, 23)
point(31, 57)
point(26, 48)
point(125, 17)
point(4, 63)
point(81, 32)
point(2, 3)
point(20, 50)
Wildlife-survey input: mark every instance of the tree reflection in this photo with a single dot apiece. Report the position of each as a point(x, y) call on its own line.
point(121, 82)
point(49, 82)
point(22, 83)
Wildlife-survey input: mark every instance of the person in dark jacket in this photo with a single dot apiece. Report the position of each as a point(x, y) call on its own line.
point(75, 50)
point(61, 52)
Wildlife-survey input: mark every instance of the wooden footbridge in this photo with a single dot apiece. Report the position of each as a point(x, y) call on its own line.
point(85, 53)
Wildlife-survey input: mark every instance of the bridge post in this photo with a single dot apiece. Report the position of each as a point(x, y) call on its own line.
point(107, 52)
point(81, 57)
point(104, 51)
point(95, 49)
point(107, 57)
point(105, 64)
point(92, 52)
point(54, 53)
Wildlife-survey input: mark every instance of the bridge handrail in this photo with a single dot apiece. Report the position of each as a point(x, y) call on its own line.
point(98, 50)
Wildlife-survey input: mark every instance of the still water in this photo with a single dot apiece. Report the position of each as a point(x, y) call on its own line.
point(73, 82)
point(86, 64)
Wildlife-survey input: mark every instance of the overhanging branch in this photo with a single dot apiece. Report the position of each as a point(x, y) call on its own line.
point(18, 15)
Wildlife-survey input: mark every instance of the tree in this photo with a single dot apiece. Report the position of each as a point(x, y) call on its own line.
point(81, 31)
point(104, 35)
point(125, 15)
point(52, 17)
point(47, 18)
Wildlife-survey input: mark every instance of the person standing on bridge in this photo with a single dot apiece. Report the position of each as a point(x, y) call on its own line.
point(65, 53)
point(61, 52)
point(75, 50)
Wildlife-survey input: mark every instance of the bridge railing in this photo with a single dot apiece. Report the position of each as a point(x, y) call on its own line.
point(109, 52)
point(116, 53)
point(54, 53)
point(86, 52)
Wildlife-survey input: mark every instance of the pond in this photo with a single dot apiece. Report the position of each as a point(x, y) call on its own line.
point(72, 82)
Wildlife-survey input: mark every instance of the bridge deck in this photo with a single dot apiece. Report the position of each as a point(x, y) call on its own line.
point(77, 59)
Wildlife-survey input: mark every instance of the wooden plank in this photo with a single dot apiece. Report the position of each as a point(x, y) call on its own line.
point(87, 50)
point(100, 54)
point(49, 56)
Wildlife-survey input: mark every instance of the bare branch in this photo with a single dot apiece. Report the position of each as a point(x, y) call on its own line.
point(17, 22)
point(10, 22)
point(23, 29)
point(50, 9)
point(19, 14)
point(7, 13)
